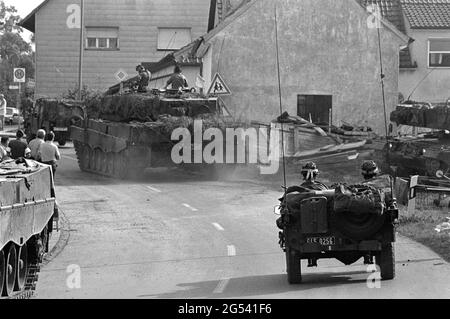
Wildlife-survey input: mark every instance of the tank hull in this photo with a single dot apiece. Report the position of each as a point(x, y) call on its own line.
point(126, 134)
point(27, 212)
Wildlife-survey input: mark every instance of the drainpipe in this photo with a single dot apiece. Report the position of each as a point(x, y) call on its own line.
point(212, 15)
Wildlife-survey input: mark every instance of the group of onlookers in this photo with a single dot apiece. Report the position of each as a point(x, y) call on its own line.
point(41, 148)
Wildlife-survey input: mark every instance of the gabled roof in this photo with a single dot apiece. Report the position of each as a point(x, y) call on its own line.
point(392, 11)
point(427, 14)
point(29, 21)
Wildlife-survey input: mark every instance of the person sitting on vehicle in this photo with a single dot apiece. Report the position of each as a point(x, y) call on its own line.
point(35, 144)
point(373, 177)
point(310, 173)
point(5, 151)
point(19, 148)
point(49, 152)
point(177, 80)
point(144, 79)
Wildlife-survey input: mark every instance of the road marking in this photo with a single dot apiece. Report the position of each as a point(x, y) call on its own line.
point(231, 250)
point(154, 189)
point(218, 227)
point(70, 158)
point(190, 207)
point(221, 286)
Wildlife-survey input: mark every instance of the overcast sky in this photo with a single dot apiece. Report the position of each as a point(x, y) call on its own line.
point(24, 7)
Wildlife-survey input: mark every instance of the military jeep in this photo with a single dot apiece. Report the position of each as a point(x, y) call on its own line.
point(313, 230)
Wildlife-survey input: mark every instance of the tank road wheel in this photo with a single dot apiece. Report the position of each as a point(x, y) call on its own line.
point(109, 167)
point(91, 160)
point(10, 271)
point(85, 157)
point(432, 166)
point(98, 160)
point(385, 259)
point(293, 265)
point(121, 166)
point(2, 271)
point(22, 268)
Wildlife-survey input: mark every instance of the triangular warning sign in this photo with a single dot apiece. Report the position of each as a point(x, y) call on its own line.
point(218, 86)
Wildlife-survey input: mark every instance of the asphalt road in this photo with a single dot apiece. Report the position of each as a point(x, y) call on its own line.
point(178, 236)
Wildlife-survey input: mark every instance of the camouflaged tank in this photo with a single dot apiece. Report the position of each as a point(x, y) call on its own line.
point(426, 154)
point(27, 212)
point(125, 134)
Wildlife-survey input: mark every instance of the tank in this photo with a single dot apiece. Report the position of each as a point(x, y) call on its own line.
point(123, 135)
point(52, 115)
point(27, 212)
point(426, 154)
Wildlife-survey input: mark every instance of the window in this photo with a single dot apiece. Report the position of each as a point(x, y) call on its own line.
point(170, 39)
point(102, 38)
point(439, 53)
point(316, 108)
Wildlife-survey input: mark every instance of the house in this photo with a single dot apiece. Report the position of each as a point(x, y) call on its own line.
point(428, 23)
point(425, 63)
point(118, 35)
point(329, 61)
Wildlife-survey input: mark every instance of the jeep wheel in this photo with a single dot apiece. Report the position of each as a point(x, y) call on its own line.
point(294, 267)
point(386, 261)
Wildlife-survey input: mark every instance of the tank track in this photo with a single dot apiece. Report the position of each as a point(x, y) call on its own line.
point(30, 285)
point(114, 165)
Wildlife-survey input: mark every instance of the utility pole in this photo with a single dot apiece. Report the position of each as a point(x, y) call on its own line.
point(80, 62)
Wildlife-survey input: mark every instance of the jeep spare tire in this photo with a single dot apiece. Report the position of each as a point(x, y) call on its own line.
point(357, 226)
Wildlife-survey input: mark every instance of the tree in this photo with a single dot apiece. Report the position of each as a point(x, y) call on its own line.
point(15, 52)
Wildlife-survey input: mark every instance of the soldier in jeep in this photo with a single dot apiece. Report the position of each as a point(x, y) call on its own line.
point(310, 173)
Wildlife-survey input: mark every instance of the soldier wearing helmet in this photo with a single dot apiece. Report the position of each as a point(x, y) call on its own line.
point(310, 173)
point(369, 170)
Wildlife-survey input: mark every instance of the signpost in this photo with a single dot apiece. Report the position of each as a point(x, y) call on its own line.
point(19, 77)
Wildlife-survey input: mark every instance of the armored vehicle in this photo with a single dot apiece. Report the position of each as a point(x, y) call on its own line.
point(27, 213)
point(427, 154)
point(345, 223)
point(123, 134)
point(53, 115)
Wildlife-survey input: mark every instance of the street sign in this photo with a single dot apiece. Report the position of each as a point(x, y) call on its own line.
point(218, 86)
point(13, 87)
point(19, 75)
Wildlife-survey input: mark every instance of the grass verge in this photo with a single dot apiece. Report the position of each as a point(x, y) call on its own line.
point(421, 228)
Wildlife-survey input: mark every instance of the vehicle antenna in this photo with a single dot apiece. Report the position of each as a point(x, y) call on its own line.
point(382, 76)
point(281, 103)
point(420, 82)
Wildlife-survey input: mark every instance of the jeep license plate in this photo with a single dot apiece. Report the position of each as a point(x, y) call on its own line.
point(60, 129)
point(324, 241)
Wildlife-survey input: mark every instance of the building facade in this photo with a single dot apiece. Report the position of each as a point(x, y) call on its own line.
point(118, 35)
point(329, 61)
point(428, 23)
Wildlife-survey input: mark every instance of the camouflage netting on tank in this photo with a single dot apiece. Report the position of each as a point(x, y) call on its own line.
point(166, 124)
point(422, 115)
point(147, 107)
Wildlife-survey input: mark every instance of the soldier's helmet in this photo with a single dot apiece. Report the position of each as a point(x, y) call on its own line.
point(310, 171)
point(369, 169)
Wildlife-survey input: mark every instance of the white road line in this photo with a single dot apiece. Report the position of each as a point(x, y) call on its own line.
point(221, 286)
point(70, 158)
point(190, 207)
point(218, 227)
point(154, 189)
point(231, 250)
